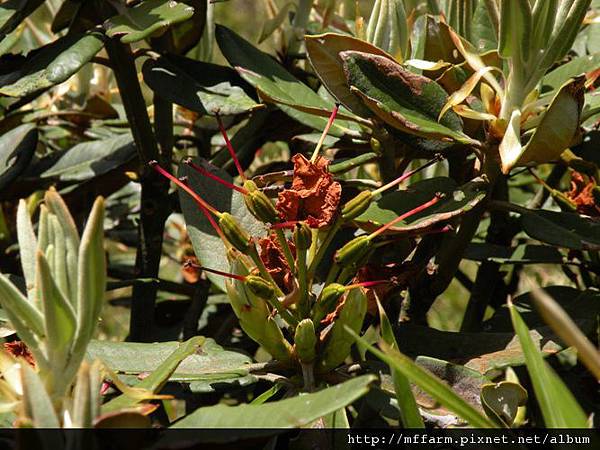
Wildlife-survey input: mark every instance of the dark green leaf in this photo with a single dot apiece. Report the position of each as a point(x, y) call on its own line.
point(201, 87)
point(562, 229)
point(293, 412)
point(501, 401)
point(16, 150)
point(559, 407)
point(47, 66)
point(276, 83)
point(147, 18)
point(457, 200)
point(207, 245)
point(402, 99)
point(89, 159)
point(577, 66)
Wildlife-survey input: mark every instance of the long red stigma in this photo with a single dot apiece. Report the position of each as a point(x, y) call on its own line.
point(201, 170)
point(407, 214)
point(234, 276)
point(238, 166)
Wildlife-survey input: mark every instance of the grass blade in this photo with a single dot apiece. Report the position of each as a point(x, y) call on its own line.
point(559, 407)
point(409, 411)
point(431, 384)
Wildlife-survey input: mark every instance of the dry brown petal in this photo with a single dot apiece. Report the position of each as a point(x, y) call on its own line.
point(582, 194)
point(314, 195)
point(274, 260)
point(19, 350)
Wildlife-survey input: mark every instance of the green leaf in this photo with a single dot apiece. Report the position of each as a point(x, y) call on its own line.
point(19, 310)
point(13, 12)
point(388, 28)
point(515, 30)
point(27, 247)
point(16, 150)
point(157, 379)
point(457, 200)
point(558, 319)
point(212, 364)
point(88, 159)
point(47, 66)
point(559, 407)
point(293, 412)
point(568, 230)
point(270, 25)
point(409, 102)
point(270, 78)
point(324, 54)
point(338, 342)
point(207, 244)
point(510, 148)
point(501, 401)
point(558, 126)
point(521, 254)
point(91, 282)
point(36, 401)
point(201, 87)
point(431, 384)
point(148, 18)
point(563, 73)
point(409, 412)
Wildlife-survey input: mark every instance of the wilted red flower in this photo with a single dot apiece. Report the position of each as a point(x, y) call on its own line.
point(274, 260)
point(582, 194)
point(19, 350)
point(313, 197)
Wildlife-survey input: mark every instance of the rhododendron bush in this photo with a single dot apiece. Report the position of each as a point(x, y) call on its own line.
point(323, 214)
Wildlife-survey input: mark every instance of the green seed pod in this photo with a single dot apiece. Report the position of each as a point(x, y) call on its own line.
point(260, 287)
point(302, 236)
point(234, 233)
point(356, 206)
point(327, 301)
point(338, 341)
point(305, 341)
point(259, 204)
point(353, 251)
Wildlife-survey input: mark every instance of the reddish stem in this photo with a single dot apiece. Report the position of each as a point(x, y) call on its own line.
point(204, 207)
point(238, 166)
point(189, 263)
point(403, 177)
point(212, 176)
point(412, 212)
point(367, 284)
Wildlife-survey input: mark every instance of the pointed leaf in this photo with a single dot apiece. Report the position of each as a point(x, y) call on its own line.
point(402, 99)
point(157, 379)
point(36, 401)
point(47, 66)
point(559, 407)
point(59, 317)
point(91, 282)
point(563, 73)
point(558, 126)
point(201, 87)
point(293, 412)
point(27, 246)
point(409, 412)
point(388, 28)
point(146, 19)
point(510, 148)
point(16, 306)
point(13, 12)
point(515, 29)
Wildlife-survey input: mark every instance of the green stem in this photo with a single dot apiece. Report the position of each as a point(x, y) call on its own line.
point(285, 247)
point(316, 259)
point(303, 302)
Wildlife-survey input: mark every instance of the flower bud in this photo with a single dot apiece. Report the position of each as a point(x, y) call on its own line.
point(375, 145)
point(234, 233)
point(302, 236)
point(259, 204)
point(305, 341)
point(356, 206)
point(353, 251)
point(260, 287)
